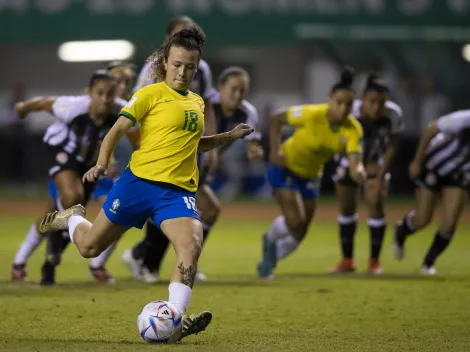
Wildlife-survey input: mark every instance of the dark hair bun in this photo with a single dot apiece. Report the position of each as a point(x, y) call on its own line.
point(192, 31)
point(347, 76)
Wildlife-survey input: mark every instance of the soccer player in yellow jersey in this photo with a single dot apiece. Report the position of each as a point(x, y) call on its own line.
point(296, 165)
point(162, 177)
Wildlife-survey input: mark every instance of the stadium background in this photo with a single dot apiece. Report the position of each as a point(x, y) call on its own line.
point(293, 50)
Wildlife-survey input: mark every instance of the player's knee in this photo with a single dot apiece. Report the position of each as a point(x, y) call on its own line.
point(296, 223)
point(347, 207)
point(70, 198)
point(89, 252)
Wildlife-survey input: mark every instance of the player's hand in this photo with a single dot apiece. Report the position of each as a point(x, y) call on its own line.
point(95, 172)
point(20, 110)
point(277, 158)
point(212, 161)
point(254, 151)
point(242, 130)
point(358, 174)
point(414, 169)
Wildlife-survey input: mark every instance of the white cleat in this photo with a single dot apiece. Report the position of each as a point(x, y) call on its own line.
point(149, 277)
point(200, 277)
point(134, 265)
point(428, 271)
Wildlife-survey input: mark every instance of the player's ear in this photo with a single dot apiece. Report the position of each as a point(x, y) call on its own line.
point(87, 90)
point(165, 64)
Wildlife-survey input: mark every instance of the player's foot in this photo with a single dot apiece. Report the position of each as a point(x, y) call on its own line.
point(428, 270)
point(58, 220)
point(269, 261)
point(344, 266)
point(18, 272)
point(48, 274)
point(200, 276)
point(135, 266)
point(150, 277)
point(195, 323)
point(374, 267)
point(399, 243)
point(101, 275)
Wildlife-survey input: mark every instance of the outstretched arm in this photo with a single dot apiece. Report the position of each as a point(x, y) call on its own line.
point(35, 104)
point(207, 143)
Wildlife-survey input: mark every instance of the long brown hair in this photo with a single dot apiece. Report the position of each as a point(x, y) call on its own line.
point(189, 38)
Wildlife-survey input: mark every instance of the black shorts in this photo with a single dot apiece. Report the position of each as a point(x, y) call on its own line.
point(432, 181)
point(59, 160)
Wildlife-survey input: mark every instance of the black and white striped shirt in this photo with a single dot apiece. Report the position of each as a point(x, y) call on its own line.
point(377, 132)
point(74, 132)
point(246, 113)
point(449, 151)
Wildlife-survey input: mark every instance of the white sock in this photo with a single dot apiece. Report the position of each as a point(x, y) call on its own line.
point(180, 295)
point(74, 221)
point(286, 246)
point(101, 260)
point(31, 242)
point(278, 229)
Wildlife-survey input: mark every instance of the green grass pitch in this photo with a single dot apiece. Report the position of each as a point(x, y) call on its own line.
point(303, 309)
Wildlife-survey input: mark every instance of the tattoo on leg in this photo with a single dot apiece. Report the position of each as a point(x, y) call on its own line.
point(188, 274)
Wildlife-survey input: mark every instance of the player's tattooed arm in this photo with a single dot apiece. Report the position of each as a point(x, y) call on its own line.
point(188, 274)
point(218, 140)
point(35, 104)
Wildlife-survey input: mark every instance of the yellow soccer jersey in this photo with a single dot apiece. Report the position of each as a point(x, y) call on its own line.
point(314, 141)
point(171, 124)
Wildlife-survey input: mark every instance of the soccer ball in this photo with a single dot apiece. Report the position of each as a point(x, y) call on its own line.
point(160, 322)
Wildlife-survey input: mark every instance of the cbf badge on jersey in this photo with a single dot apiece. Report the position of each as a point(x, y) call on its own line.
point(115, 206)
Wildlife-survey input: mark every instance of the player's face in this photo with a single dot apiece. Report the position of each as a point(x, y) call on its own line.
point(124, 79)
point(102, 96)
point(373, 104)
point(233, 91)
point(340, 104)
point(181, 67)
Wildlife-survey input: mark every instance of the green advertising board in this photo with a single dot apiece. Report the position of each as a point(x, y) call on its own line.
point(235, 21)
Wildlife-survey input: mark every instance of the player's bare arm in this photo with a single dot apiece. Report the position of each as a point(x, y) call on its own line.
point(429, 133)
point(119, 129)
point(210, 128)
point(356, 167)
point(389, 156)
point(218, 140)
point(35, 104)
